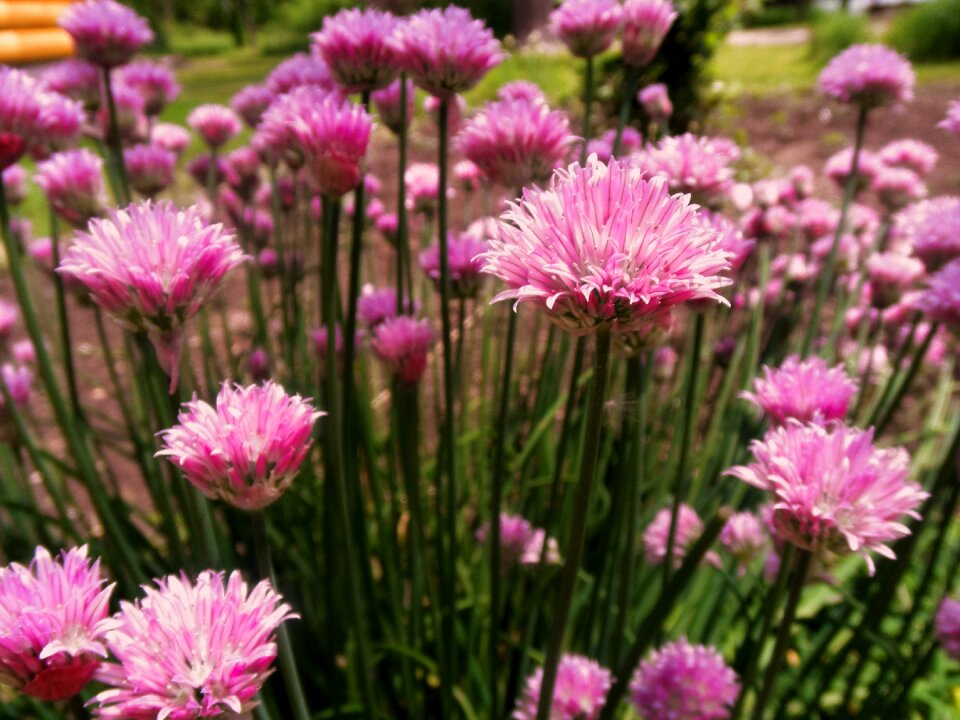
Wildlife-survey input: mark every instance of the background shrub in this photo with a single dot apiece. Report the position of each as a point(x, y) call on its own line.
point(831, 33)
point(928, 32)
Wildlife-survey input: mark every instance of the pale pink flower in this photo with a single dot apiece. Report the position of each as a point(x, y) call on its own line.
point(75, 79)
point(802, 178)
point(403, 344)
point(151, 266)
point(106, 32)
point(586, 27)
point(464, 263)
point(446, 51)
point(802, 390)
point(604, 245)
point(680, 681)
point(62, 123)
point(897, 187)
point(375, 305)
point(154, 81)
point(358, 48)
point(9, 315)
point(947, 627)
point(215, 124)
point(456, 107)
point(252, 102)
point(73, 184)
point(911, 154)
point(149, 168)
point(389, 110)
point(656, 102)
point(839, 166)
point(19, 382)
point(15, 184)
point(834, 492)
point(534, 549)
point(692, 164)
point(744, 537)
point(23, 352)
point(645, 25)
point(522, 91)
point(191, 650)
point(655, 536)
point(816, 218)
point(247, 449)
point(732, 240)
point(468, 175)
point(941, 300)
point(602, 147)
point(422, 181)
point(932, 229)
point(890, 275)
point(298, 71)
point(868, 75)
point(579, 693)
point(516, 142)
point(53, 616)
point(170, 136)
point(951, 123)
point(520, 542)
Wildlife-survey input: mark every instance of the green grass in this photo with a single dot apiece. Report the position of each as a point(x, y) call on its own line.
point(558, 75)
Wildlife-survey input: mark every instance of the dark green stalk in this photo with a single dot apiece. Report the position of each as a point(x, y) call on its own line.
point(63, 319)
point(886, 412)
point(587, 106)
point(578, 526)
point(114, 141)
point(658, 613)
point(496, 499)
point(334, 444)
point(288, 665)
point(630, 76)
point(403, 249)
point(681, 480)
point(802, 569)
point(826, 277)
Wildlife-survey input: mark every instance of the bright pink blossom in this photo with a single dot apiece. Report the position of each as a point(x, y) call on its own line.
point(645, 25)
point(911, 154)
point(868, 75)
point(657, 533)
point(403, 344)
point(73, 184)
point(358, 47)
point(106, 32)
point(464, 263)
point(951, 123)
point(586, 27)
point(154, 81)
point(579, 693)
point(215, 124)
point(149, 168)
point(803, 390)
point(252, 102)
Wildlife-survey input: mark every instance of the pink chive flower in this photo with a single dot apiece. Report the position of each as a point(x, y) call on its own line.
point(403, 344)
point(656, 534)
point(15, 184)
point(247, 448)
point(75, 79)
point(604, 245)
point(732, 240)
point(389, 110)
point(62, 121)
point(534, 549)
point(252, 102)
point(465, 265)
point(839, 166)
point(73, 184)
point(910, 154)
point(520, 542)
point(802, 178)
point(106, 32)
point(802, 390)
point(446, 51)
point(868, 75)
point(645, 25)
point(744, 537)
point(23, 352)
point(149, 168)
point(941, 300)
point(455, 110)
point(890, 275)
point(897, 187)
point(154, 81)
point(131, 120)
point(579, 694)
point(932, 230)
point(469, 176)
point(23, 115)
point(680, 681)
point(151, 266)
point(523, 91)
point(834, 492)
point(602, 147)
point(216, 124)
point(298, 71)
point(816, 218)
point(191, 650)
point(516, 142)
point(423, 186)
point(170, 136)
point(53, 615)
point(19, 382)
point(656, 102)
point(692, 164)
point(586, 27)
point(947, 627)
point(9, 315)
point(331, 132)
point(358, 48)
point(951, 123)
point(376, 305)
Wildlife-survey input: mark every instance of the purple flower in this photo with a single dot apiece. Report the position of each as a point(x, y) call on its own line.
point(681, 681)
point(358, 48)
point(932, 229)
point(191, 649)
point(154, 81)
point(299, 71)
point(149, 168)
point(75, 79)
point(941, 300)
point(645, 25)
point(586, 27)
point(834, 492)
point(516, 142)
point(868, 75)
point(803, 390)
point(910, 154)
point(252, 102)
point(106, 32)
point(464, 263)
point(403, 344)
point(947, 627)
point(30, 117)
point(374, 306)
point(579, 694)
point(604, 245)
point(53, 616)
point(657, 533)
point(446, 51)
point(73, 184)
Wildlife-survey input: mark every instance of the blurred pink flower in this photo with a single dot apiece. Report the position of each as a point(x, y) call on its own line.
point(215, 124)
point(170, 136)
point(73, 184)
point(359, 49)
point(9, 315)
point(522, 91)
point(154, 81)
point(947, 627)
point(890, 274)
point(840, 164)
point(656, 102)
point(298, 71)
point(645, 25)
point(252, 102)
point(744, 537)
point(19, 382)
point(931, 229)
point(586, 27)
point(911, 154)
point(389, 110)
point(106, 32)
point(15, 184)
point(75, 79)
point(403, 344)
point(868, 75)
point(464, 263)
point(30, 116)
point(422, 181)
point(656, 534)
point(131, 120)
point(53, 616)
point(692, 164)
point(149, 168)
point(803, 390)
point(896, 187)
point(951, 123)
point(941, 300)
point(579, 694)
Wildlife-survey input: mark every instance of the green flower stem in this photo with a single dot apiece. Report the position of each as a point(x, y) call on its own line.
point(681, 479)
point(334, 445)
point(588, 92)
point(630, 77)
point(578, 526)
point(803, 560)
point(658, 613)
point(66, 345)
point(827, 275)
point(288, 665)
point(114, 143)
point(121, 554)
point(885, 413)
point(496, 499)
point(403, 279)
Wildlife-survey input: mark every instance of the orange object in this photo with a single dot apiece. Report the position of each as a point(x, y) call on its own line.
point(30, 14)
point(34, 45)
